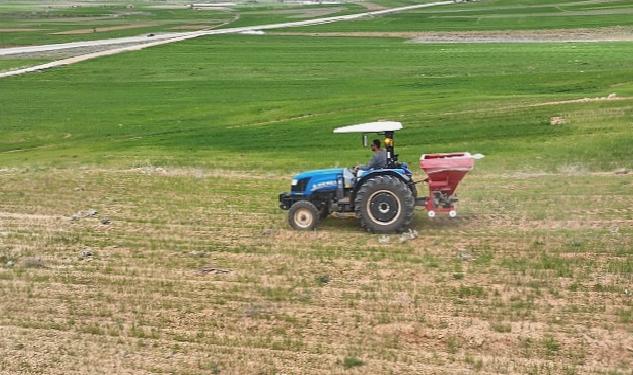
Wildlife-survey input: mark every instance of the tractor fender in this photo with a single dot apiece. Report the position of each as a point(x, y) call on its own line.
point(381, 172)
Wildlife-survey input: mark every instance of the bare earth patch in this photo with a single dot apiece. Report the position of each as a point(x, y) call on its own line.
point(369, 5)
point(299, 12)
point(612, 34)
point(195, 276)
point(194, 27)
point(104, 29)
point(70, 52)
point(532, 36)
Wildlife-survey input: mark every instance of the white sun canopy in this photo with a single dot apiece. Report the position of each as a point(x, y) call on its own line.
point(370, 127)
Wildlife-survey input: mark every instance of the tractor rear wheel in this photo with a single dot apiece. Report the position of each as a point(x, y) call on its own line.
point(384, 204)
point(303, 215)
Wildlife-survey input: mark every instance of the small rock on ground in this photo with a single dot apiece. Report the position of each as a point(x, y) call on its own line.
point(86, 254)
point(323, 279)
point(557, 120)
point(91, 212)
point(408, 236)
point(464, 255)
point(211, 270)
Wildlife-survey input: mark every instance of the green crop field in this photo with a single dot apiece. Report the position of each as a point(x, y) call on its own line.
point(140, 230)
point(206, 102)
point(498, 15)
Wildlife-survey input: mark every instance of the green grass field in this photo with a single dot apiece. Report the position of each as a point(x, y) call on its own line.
point(498, 15)
point(187, 265)
point(23, 24)
point(210, 100)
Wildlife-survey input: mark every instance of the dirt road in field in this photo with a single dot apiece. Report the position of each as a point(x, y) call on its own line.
point(142, 42)
point(13, 51)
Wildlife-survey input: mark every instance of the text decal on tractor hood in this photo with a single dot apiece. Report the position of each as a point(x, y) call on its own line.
point(323, 184)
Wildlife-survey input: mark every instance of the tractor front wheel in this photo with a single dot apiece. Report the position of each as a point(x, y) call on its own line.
point(303, 215)
point(384, 204)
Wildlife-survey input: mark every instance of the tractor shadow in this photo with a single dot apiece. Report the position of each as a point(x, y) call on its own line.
point(340, 223)
point(421, 222)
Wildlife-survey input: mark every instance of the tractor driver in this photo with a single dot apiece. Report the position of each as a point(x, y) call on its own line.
point(378, 161)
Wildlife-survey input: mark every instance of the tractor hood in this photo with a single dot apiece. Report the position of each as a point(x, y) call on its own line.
point(319, 173)
point(309, 182)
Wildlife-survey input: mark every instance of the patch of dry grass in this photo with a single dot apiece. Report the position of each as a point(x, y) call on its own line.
point(534, 277)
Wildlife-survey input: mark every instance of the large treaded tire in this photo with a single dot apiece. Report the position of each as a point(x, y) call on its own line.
point(303, 215)
point(384, 204)
point(414, 191)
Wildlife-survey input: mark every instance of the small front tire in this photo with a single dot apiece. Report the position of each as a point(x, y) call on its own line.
point(303, 215)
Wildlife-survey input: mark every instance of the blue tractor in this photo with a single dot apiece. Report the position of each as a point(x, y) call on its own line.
point(383, 199)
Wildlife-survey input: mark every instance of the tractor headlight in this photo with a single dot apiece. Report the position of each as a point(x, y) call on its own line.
point(294, 182)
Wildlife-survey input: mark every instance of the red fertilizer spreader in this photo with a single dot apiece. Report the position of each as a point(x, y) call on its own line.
point(444, 172)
